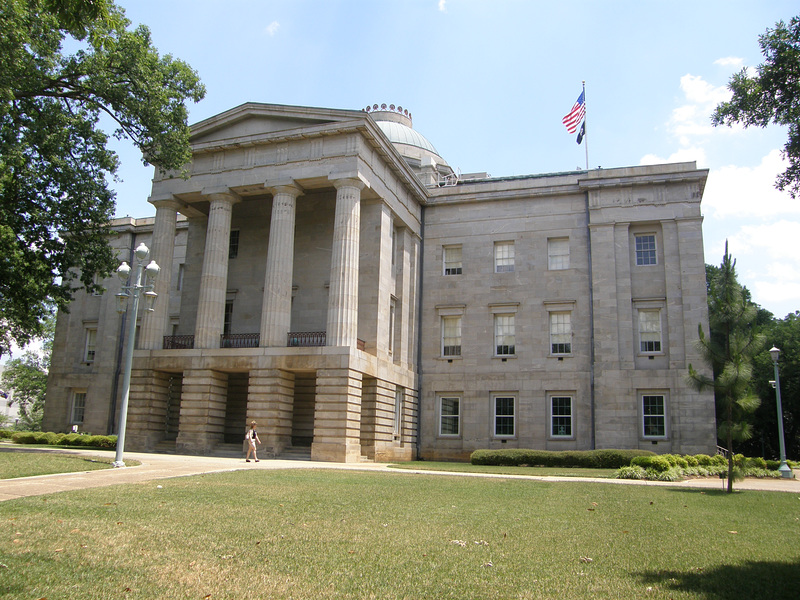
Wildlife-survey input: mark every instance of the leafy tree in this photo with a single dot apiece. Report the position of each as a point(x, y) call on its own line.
point(55, 202)
point(27, 377)
point(729, 350)
point(771, 95)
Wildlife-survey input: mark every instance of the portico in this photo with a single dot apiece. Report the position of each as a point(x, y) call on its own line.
point(275, 300)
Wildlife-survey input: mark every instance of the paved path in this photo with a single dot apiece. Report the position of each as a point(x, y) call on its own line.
point(162, 466)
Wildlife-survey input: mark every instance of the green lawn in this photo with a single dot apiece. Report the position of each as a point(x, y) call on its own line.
point(25, 463)
point(455, 467)
point(328, 534)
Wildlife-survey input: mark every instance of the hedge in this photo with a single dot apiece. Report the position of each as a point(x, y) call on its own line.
point(49, 438)
point(589, 459)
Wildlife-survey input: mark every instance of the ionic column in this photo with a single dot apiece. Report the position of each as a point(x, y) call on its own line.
point(154, 324)
point(276, 307)
point(214, 279)
point(342, 325)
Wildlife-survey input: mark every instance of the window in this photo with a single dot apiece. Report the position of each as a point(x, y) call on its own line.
point(450, 415)
point(504, 335)
point(181, 271)
point(650, 331)
point(233, 244)
point(78, 407)
point(561, 416)
point(645, 249)
point(560, 333)
point(504, 416)
point(399, 395)
point(503, 257)
point(452, 260)
point(654, 416)
point(226, 327)
point(558, 254)
point(90, 345)
point(451, 336)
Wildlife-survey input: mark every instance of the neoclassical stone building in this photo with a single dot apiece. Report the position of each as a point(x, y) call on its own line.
point(327, 274)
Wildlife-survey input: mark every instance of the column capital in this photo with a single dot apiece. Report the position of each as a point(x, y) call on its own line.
point(170, 202)
point(284, 186)
point(221, 193)
point(350, 179)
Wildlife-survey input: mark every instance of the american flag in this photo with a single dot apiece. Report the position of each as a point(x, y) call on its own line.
point(575, 116)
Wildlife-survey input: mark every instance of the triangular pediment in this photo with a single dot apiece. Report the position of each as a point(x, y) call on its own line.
point(255, 120)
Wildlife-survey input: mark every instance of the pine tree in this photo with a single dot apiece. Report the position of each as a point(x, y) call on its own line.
point(729, 349)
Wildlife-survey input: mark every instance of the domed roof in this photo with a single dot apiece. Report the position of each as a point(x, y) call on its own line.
point(402, 134)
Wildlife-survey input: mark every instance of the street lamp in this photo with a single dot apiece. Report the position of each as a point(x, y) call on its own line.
point(784, 468)
point(140, 288)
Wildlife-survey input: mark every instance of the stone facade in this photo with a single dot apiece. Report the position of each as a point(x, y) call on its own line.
point(329, 276)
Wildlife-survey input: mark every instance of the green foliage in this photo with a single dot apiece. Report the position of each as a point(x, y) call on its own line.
point(24, 437)
point(632, 472)
point(55, 202)
point(729, 350)
point(674, 467)
point(770, 95)
point(63, 439)
point(595, 459)
point(785, 335)
point(658, 464)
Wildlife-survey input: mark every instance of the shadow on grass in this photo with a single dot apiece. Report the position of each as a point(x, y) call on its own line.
point(767, 580)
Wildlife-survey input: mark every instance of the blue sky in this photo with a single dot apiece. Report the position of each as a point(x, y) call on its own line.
point(487, 82)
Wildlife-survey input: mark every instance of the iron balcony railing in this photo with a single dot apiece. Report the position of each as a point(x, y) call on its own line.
point(302, 339)
point(239, 340)
point(298, 339)
point(178, 342)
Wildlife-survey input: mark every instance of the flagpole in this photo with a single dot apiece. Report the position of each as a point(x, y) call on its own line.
point(585, 137)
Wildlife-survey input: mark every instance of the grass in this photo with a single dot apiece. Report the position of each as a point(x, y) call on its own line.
point(455, 467)
point(323, 534)
point(25, 463)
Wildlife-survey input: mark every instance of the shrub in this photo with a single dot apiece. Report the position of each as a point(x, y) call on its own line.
point(102, 441)
point(24, 437)
point(47, 438)
point(5, 434)
point(632, 472)
point(671, 474)
point(704, 460)
point(719, 460)
point(658, 464)
point(756, 463)
point(591, 459)
point(71, 439)
point(691, 461)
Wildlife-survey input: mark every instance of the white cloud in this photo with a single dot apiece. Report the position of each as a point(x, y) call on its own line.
point(735, 191)
point(442, 6)
point(767, 263)
point(693, 119)
point(272, 28)
point(729, 61)
point(689, 154)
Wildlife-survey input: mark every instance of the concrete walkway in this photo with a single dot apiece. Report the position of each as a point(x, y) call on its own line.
point(155, 467)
